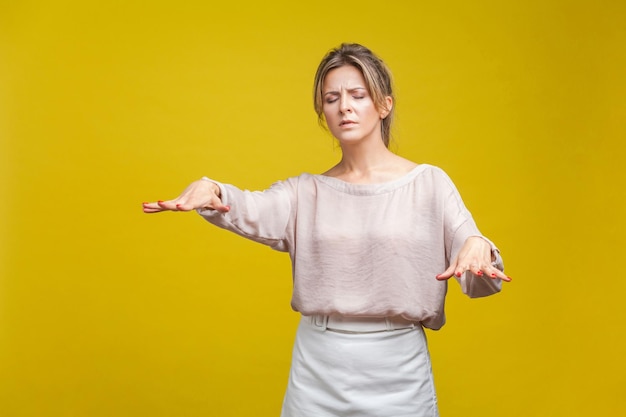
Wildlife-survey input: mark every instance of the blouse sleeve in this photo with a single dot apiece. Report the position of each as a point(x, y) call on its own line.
point(261, 216)
point(458, 226)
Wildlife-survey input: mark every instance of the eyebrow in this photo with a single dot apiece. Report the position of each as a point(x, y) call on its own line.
point(349, 90)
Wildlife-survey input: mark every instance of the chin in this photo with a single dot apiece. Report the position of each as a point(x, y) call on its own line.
point(347, 135)
point(348, 140)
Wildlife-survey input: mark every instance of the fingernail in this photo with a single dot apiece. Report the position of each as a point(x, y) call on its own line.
point(178, 206)
point(509, 277)
point(160, 201)
point(458, 274)
point(145, 202)
point(479, 273)
point(493, 275)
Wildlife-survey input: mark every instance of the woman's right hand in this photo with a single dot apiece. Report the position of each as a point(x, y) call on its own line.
point(201, 194)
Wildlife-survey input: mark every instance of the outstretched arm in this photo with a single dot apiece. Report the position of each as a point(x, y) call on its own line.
point(261, 216)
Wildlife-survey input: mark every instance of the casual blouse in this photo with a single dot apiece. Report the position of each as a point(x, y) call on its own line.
point(368, 250)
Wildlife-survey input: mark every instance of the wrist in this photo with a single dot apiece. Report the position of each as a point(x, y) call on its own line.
point(215, 188)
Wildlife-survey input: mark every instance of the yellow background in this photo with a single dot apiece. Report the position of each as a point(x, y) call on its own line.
point(105, 311)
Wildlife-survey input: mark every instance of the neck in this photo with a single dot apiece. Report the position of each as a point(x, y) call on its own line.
point(365, 162)
point(361, 159)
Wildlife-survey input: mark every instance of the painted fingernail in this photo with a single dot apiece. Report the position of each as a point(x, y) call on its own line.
point(458, 274)
point(479, 273)
point(160, 201)
point(492, 275)
point(178, 206)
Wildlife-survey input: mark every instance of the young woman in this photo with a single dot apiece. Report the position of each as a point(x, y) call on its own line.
point(372, 242)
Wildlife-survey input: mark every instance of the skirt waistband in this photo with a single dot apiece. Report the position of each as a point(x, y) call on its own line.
point(348, 324)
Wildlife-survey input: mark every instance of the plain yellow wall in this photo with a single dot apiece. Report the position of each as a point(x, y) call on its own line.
point(105, 311)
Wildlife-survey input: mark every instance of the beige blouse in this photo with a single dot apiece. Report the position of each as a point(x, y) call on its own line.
point(362, 249)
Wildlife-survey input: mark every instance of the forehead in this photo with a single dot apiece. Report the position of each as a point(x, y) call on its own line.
point(344, 77)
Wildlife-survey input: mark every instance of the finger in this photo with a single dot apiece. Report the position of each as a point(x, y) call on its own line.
point(216, 204)
point(447, 273)
point(184, 207)
point(493, 273)
point(217, 207)
point(222, 208)
point(460, 270)
point(477, 269)
point(473, 268)
point(147, 210)
point(168, 205)
point(502, 276)
point(151, 208)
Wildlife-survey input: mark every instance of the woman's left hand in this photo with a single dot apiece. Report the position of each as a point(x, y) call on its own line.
point(474, 256)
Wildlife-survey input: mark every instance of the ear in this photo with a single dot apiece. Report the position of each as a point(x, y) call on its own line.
point(384, 112)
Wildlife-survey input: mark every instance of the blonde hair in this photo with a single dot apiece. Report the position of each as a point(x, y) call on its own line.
point(376, 74)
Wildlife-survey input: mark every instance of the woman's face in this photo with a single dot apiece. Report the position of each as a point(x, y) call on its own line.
point(348, 108)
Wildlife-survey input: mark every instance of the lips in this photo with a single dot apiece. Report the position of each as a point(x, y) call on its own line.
point(346, 122)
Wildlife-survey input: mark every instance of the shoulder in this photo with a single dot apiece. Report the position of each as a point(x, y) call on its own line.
point(435, 178)
point(294, 182)
point(431, 172)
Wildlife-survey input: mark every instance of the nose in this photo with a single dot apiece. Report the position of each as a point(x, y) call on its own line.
point(344, 104)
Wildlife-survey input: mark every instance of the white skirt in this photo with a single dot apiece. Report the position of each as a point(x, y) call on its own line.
point(382, 374)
